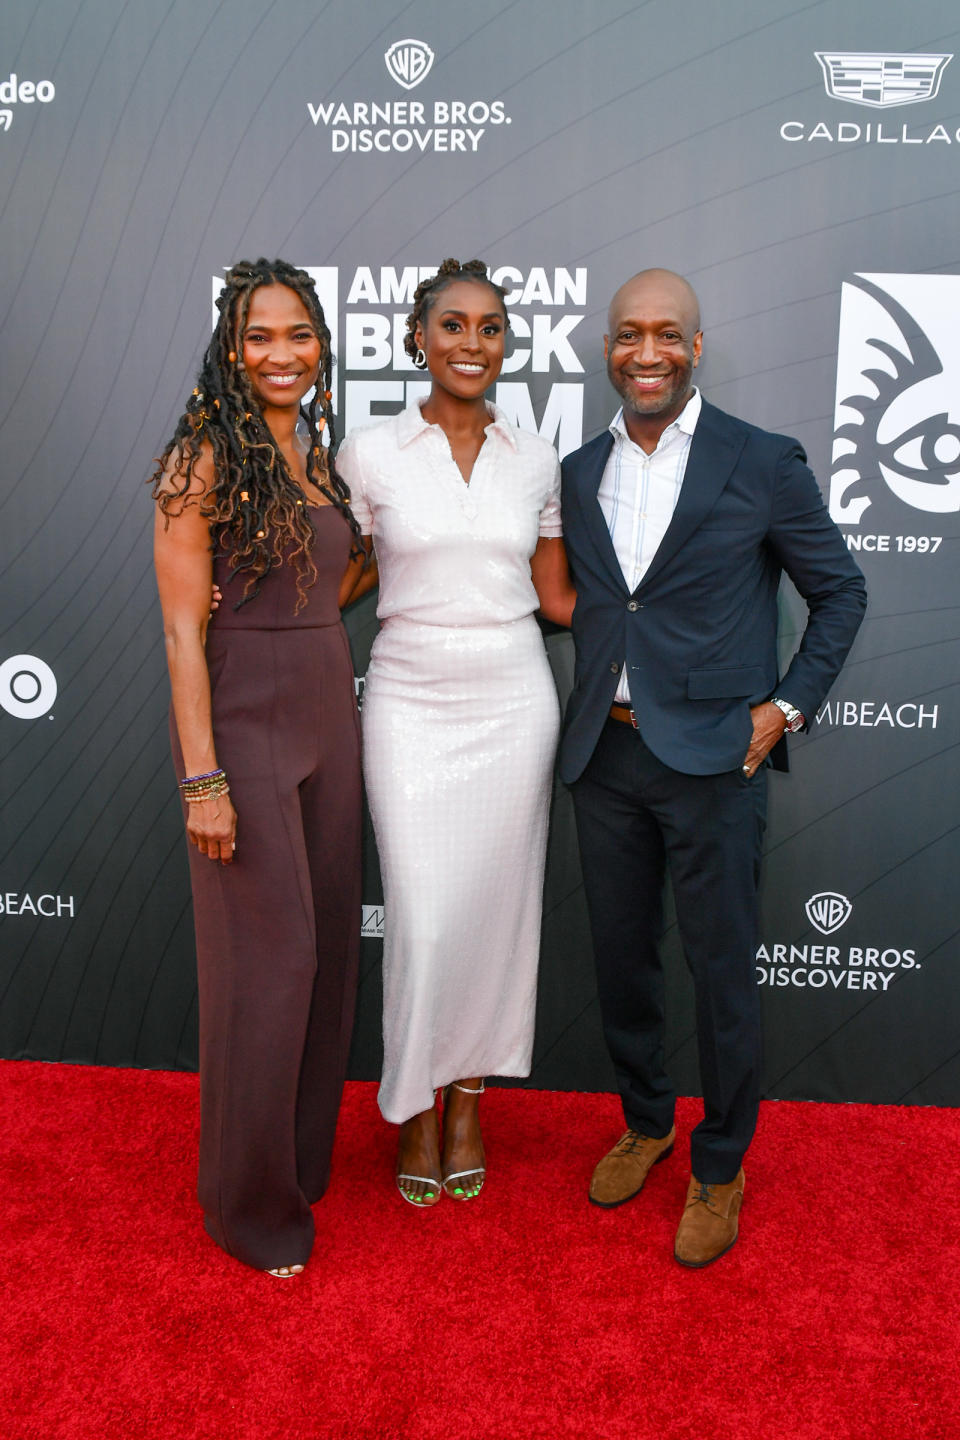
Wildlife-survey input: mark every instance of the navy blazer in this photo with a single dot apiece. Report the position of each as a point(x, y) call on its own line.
point(699, 633)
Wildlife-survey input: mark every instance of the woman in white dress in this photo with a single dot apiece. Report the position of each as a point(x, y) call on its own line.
point(460, 721)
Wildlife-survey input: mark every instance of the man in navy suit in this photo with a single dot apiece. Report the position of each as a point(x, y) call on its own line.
point(679, 521)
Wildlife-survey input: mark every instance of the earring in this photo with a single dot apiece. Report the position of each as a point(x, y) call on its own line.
point(420, 360)
point(232, 357)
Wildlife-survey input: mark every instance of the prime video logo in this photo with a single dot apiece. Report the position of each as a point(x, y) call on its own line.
point(14, 91)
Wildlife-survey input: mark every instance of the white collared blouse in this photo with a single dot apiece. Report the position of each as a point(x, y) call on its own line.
point(450, 553)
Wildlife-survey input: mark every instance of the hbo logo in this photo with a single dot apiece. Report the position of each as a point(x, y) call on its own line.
point(28, 687)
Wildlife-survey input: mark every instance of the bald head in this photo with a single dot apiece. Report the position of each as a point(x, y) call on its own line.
point(652, 349)
point(656, 285)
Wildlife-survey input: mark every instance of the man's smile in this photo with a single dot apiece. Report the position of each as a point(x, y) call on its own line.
point(648, 382)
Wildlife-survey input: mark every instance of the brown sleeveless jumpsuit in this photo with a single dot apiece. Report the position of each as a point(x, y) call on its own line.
point(278, 931)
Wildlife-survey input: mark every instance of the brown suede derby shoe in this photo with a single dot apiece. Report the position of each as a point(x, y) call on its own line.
point(621, 1173)
point(708, 1226)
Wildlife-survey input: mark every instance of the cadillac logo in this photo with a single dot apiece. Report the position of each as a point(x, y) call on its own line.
point(881, 80)
point(409, 62)
point(828, 911)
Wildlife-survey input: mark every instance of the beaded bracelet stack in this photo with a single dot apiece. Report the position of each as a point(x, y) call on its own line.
point(204, 787)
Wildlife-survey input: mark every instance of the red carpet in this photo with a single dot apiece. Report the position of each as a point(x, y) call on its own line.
point(526, 1315)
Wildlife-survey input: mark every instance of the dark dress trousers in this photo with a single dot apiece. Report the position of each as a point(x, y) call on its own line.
point(699, 637)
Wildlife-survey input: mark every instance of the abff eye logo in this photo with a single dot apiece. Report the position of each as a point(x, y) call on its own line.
point(897, 418)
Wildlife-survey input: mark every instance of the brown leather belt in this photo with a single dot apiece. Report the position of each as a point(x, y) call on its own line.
point(624, 714)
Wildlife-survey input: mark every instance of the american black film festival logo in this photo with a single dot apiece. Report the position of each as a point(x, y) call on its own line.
point(541, 385)
point(895, 475)
point(385, 124)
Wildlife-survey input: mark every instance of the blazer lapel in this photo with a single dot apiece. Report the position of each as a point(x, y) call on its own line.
point(595, 522)
point(714, 452)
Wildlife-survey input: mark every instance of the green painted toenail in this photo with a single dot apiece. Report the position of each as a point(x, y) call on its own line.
point(458, 1190)
point(428, 1195)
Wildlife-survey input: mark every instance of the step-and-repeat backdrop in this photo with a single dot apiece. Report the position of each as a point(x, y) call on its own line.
point(798, 161)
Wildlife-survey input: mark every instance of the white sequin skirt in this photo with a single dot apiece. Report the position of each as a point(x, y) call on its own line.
point(459, 732)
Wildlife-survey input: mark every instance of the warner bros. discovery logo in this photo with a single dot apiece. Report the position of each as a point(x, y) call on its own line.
point(881, 81)
point(896, 448)
point(828, 911)
point(408, 62)
point(381, 125)
point(816, 966)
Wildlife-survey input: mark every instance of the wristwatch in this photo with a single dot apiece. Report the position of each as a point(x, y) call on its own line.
point(795, 720)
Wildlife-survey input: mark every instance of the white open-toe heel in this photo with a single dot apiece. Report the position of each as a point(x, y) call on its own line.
point(478, 1174)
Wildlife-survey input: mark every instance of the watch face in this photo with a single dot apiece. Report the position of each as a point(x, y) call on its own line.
point(793, 716)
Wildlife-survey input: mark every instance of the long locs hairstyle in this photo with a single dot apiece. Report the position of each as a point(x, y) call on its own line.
point(255, 507)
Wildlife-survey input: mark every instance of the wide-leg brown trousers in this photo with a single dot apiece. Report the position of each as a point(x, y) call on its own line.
point(278, 935)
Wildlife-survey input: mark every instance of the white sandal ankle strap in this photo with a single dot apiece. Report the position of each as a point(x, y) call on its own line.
point(465, 1089)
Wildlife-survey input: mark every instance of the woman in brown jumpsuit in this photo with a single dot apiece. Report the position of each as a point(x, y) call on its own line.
point(265, 735)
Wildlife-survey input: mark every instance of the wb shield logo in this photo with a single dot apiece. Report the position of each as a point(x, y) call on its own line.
point(409, 62)
point(897, 418)
point(881, 81)
point(828, 911)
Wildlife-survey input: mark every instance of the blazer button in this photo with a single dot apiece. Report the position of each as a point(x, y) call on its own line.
point(633, 605)
point(614, 669)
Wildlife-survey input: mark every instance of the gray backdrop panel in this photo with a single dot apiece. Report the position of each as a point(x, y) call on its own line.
point(145, 147)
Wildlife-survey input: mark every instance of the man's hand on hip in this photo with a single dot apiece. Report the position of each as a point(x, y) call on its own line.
point(769, 723)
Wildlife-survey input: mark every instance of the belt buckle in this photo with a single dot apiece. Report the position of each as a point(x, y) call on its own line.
point(633, 719)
